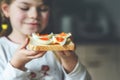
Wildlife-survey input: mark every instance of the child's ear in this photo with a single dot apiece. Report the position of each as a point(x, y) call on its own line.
point(5, 9)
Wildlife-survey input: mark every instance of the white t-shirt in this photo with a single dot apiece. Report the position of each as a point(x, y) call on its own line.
point(44, 68)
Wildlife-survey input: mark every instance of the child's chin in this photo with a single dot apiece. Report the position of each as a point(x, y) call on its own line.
point(29, 33)
point(33, 31)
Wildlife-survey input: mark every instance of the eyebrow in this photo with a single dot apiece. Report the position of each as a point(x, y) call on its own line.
point(27, 3)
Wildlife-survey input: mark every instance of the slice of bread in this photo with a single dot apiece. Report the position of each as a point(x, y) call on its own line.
point(55, 47)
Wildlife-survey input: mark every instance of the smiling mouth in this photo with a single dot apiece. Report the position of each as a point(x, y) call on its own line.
point(33, 24)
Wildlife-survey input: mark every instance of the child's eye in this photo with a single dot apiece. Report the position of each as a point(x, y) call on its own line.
point(24, 8)
point(43, 9)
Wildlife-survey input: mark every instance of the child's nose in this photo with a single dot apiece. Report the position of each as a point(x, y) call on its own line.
point(33, 14)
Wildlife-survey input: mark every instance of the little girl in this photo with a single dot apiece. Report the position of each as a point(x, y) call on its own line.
point(18, 63)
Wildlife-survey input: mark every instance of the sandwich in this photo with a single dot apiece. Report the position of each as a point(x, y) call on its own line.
point(53, 42)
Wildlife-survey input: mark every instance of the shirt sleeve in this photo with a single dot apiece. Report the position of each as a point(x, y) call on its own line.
point(78, 73)
point(11, 73)
point(7, 71)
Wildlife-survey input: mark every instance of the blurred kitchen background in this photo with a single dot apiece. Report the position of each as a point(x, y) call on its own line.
point(95, 25)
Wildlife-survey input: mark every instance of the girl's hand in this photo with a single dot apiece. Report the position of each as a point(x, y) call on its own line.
point(22, 56)
point(68, 59)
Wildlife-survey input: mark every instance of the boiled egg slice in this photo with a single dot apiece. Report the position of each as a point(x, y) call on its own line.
point(59, 40)
point(42, 39)
point(63, 34)
point(35, 35)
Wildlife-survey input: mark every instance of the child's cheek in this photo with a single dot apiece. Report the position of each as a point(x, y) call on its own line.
point(45, 18)
point(20, 16)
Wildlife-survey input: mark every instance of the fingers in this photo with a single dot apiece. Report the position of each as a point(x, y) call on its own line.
point(36, 55)
point(64, 53)
point(30, 53)
point(25, 43)
point(67, 53)
point(33, 53)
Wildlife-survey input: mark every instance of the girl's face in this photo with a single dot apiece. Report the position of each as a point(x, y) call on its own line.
point(27, 16)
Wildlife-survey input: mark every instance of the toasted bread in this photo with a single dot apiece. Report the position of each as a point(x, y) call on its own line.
point(50, 47)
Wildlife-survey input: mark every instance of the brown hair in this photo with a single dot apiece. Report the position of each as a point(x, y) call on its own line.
point(1, 13)
point(5, 20)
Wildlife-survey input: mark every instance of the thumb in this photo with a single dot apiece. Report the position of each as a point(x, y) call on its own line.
point(24, 43)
